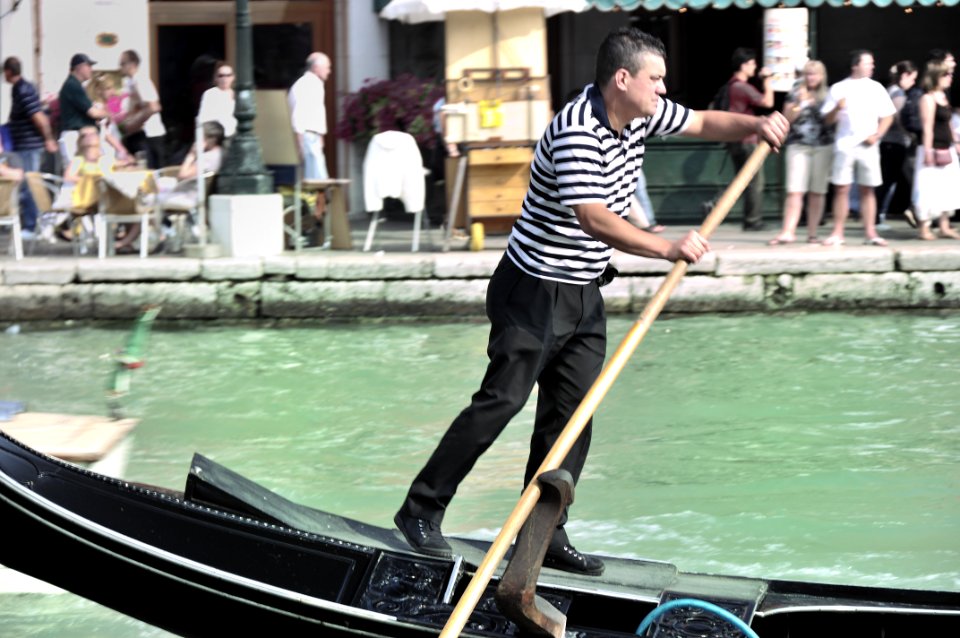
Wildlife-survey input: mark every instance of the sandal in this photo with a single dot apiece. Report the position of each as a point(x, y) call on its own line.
point(813, 240)
point(833, 240)
point(780, 241)
point(875, 241)
point(949, 233)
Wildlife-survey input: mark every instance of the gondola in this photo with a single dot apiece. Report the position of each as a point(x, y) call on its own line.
point(227, 556)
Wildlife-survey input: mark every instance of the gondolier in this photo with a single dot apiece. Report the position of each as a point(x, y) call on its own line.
point(548, 324)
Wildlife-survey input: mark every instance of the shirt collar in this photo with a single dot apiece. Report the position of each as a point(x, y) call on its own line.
point(598, 107)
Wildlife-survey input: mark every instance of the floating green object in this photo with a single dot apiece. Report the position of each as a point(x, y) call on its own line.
point(128, 360)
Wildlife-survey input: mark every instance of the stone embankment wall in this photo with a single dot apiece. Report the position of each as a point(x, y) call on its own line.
point(331, 285)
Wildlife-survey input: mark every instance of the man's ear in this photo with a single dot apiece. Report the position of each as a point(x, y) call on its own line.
point(620, 79)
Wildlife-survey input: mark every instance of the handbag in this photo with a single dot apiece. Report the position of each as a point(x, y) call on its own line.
point(942, 157)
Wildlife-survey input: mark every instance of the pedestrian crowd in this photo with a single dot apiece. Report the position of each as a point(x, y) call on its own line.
point(887, 152)
point(101, 124)
point(884, 152)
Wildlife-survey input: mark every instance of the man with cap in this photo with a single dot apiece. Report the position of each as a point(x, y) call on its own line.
point(76, 108)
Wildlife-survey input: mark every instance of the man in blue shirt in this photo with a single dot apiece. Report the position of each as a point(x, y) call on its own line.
point(31, 135)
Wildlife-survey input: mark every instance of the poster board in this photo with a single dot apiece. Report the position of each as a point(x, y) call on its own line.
point(786, 44)
point(272, 127)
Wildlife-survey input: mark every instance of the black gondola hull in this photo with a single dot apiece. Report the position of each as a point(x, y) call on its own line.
point(227, 555)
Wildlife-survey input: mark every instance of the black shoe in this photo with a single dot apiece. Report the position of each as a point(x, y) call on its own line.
point(564, 556)
point(754, 227)
point(423, 536)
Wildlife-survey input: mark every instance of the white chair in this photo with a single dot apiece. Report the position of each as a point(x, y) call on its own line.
point(54, 200)
point(184, 202)
point(393, 167)
point(122, 203)
point(10, 212)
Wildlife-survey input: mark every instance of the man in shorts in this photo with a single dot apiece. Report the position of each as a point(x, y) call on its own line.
point(863, 111)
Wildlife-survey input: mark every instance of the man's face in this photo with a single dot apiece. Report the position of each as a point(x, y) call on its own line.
point(7, 75)
point(749, 68)
point(322, 68)
point(84, 71)
point(864, 68)
point(645, 87)
point(127, 67)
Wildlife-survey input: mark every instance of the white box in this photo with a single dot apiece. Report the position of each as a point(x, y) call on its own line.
point(247, 225)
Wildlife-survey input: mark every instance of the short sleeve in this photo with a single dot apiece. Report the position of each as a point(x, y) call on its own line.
point(146, 89)
point(670, 119)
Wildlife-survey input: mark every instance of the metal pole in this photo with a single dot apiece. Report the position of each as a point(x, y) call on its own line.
point(243, 172)
point(201, 185)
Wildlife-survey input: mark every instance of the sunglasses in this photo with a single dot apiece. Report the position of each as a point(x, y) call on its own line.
point(224, 75)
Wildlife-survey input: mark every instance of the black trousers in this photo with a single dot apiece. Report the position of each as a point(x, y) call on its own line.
point(154, 147)
point(542, 332)
point(895, 194)
point(753, 195)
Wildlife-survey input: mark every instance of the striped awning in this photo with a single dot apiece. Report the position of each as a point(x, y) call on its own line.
point(652, 5)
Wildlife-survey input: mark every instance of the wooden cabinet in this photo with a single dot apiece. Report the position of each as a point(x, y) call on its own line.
point(495, 183)
point(498, 180)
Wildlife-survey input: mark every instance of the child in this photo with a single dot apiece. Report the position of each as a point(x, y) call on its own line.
point(106, 93)
point(77, 193)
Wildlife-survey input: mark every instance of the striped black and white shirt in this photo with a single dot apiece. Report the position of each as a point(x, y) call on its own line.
point(25, 103)
point(580, 159)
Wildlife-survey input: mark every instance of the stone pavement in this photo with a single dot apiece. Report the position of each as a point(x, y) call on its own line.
point(741, 274)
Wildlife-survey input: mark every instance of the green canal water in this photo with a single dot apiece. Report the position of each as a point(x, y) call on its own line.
point(816, 447)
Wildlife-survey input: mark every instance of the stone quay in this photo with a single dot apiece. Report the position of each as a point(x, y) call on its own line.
point(741, 274)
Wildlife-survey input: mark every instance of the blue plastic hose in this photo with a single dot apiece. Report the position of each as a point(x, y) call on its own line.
point(693, 602)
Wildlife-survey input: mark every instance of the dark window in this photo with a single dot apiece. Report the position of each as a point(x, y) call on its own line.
point(280, 54)
point(187, 55)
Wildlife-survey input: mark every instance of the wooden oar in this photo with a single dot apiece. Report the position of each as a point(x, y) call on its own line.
point(498, 549)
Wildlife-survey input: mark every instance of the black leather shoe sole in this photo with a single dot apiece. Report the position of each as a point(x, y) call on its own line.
point(401, 522)
point(590, 566)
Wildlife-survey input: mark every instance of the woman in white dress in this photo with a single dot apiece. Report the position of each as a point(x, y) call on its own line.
point(935, 192)
point(218, 102)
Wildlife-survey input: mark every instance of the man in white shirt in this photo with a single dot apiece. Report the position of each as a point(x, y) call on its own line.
point(142, 127)
point(863, 111)
point(308, 115)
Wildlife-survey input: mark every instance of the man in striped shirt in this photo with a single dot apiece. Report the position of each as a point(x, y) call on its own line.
point(31, 134)
point(548, 324)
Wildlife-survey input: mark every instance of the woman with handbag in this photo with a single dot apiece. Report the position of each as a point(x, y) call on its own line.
point(935, 192)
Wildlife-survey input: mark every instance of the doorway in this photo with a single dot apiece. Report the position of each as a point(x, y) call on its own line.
point(186, 58)
point(189, 37)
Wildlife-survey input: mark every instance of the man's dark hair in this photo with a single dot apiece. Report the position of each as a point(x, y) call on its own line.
point(856, 54)
point(624, 49)
point(12, 64)
point(740, 56)
point(937, 55)
point(132, 56)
